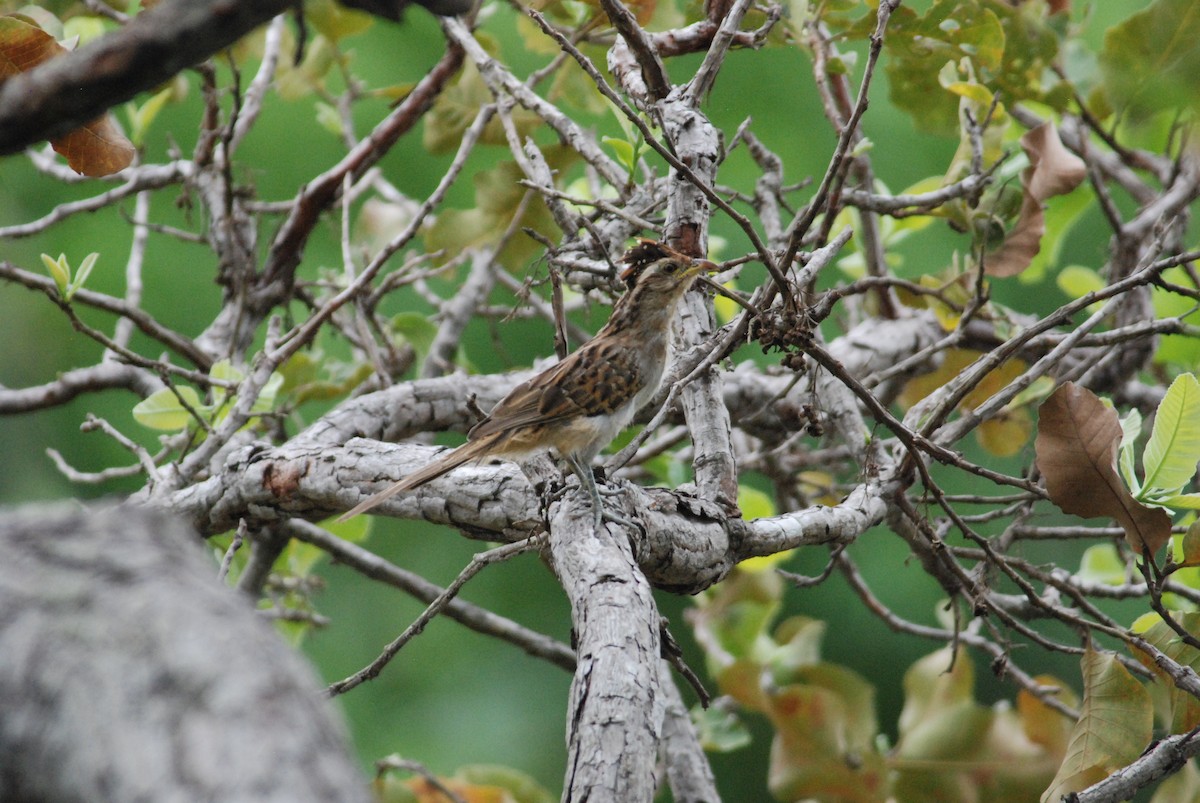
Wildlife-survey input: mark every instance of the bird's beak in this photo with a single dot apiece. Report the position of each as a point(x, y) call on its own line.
point(705, 266)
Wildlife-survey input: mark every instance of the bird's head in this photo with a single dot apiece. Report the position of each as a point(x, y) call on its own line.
point(650, 265)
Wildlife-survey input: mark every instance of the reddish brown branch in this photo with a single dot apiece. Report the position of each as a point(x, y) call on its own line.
point(318, 195)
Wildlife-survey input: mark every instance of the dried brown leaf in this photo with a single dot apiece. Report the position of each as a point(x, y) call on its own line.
point(1053, 170)
point(24, 46)
point(97, 149)
point(1077, 442)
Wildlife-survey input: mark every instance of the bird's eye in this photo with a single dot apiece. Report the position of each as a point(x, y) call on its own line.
point(672, 267)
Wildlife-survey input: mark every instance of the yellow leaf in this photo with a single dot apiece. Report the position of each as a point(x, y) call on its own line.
point(1114, 726)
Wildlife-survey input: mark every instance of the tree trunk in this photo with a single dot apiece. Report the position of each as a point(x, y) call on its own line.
point(127, 673)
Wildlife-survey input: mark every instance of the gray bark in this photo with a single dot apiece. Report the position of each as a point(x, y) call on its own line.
point(615, 713)
point(127, 673)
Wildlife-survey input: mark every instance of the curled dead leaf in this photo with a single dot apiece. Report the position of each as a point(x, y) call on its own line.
point(1077, 442)
point(1053, 170)
point(97, 149)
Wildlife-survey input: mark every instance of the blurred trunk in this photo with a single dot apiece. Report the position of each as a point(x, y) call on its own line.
point(127, 673)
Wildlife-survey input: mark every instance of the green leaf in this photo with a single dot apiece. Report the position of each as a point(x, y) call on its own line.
point(417, 331)
point(1176, 350)
point(754, 504)
point(1190, 548)
point(797, 643)
point(301, 558)
point(920, 46)
point(329, 119)
point(1178, 501)
point(59, 271)
point(719, 730)
point(85, 27)
point(301, 369)
point(731, 619)
point(304, 380)
point(934, 685)
point(142, 117)
point(993, 47)
point(354, 530)
point(622, 150)
point(498, 197)
point(81, 275)
point(335, 21)
point(1131, 429)
point(1152, 60)
point(293, 82)
point(896, 230)
point(573, 86)
point(265, 402)
point(456, 108)
point(223, 370)
point(1077, 281)
point(1102, 564)
point(1170, 457)
point(454, 111)
point(162, 409)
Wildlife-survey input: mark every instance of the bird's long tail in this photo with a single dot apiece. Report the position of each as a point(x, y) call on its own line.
point(468, 451)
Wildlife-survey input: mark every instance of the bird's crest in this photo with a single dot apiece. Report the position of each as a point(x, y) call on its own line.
point(645, 253)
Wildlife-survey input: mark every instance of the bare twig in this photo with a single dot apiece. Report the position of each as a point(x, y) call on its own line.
point(478, 563)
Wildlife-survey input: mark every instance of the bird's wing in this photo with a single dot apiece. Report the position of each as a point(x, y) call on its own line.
point(596, 380)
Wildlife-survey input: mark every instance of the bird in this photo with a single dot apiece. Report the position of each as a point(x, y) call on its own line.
point(576, 407)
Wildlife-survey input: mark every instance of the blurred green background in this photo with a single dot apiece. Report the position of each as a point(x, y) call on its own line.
point(452, 697)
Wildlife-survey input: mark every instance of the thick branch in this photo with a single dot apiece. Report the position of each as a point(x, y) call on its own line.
point(634, 37)
point(688, 543)
point(129, 673)
point(615, 714)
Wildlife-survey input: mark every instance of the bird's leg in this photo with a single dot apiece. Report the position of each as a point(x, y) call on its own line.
point(588, 481)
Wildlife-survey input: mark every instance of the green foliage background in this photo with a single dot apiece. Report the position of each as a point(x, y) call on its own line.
point(452, 697)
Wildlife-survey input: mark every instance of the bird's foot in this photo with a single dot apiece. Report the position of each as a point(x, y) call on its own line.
point(602, 514)
point(602, 483)
point(613, 518)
